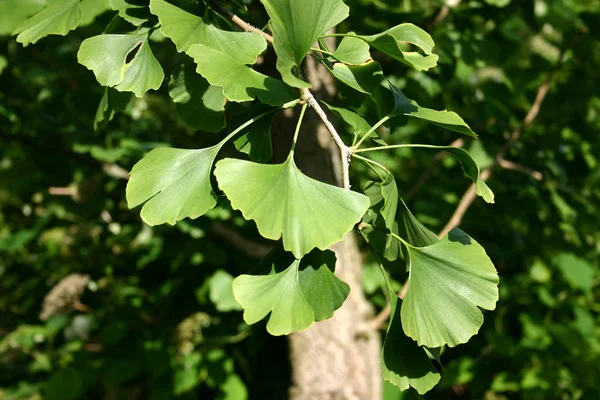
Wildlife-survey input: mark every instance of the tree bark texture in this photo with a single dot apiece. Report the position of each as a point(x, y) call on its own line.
point(340, 358)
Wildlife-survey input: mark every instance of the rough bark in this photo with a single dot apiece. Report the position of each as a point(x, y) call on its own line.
point(338, 358)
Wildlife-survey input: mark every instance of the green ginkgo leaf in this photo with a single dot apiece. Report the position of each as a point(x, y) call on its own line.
point(405, 106)
point(107, 56)
point(14, 12)
point(173, 183)
point(132, 12)
point(391, 42)
point(296, 25)
point(403, 362)
point(359, 125)
point(199, 104)
point(90, 9)
point(365, 78)
point(111, 103)
point(295, 292)
point(413, 230)
point(255, 140)
point(352, 50)
point(222, 57)
point(448, 282)
point(286, 203)
point(58, 18)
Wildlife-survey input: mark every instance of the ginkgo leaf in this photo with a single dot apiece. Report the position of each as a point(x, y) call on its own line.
point(403, 362)
point(386, 193)
point(359, 125)
point(286, 203)
point(111, 103)
point(448, 281)
point(58, 18)
point(446, 119)
point(199, 104)
point(14, 12)
point(296, 25)
point(365, 78)
point(414, 231)
point(295, 292)
point(255, 140)
point(90, 9)
point(107, 56)
point(222, 57)
point(131, 12)
point(173, 183)
point(352, 50)
point(392, 42)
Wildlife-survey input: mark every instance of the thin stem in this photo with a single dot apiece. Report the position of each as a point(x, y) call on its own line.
point(373, 128)
point(298, 125)
point(404, 242)
point(336, 35)
point(254, 119)
point(345, 151)
point(369, 161)
point(322, 51)
point(397, 146)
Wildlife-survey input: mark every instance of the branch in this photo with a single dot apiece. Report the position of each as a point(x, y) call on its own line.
point(249, 247)
point(469, 196)
point(512, 166)
point(345, 151)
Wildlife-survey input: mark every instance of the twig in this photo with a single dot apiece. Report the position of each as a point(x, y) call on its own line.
point(512, 166)
point(249, 247)
point(345, 151)
point(469, 196)
point(378, 321)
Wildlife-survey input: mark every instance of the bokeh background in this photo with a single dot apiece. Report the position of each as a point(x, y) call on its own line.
point(94, 304)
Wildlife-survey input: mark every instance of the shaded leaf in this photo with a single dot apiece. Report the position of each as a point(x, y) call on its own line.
point(393, 43)
point(579, 273)
point(296, 25)
point(199, 104)
point(111, 103)
point(255, 140)
point(58, 18)
point(358, 124)
point(286, 203)
point(365, 78)
point(448, 281)
point(90, 9)
point(404, 363)
point(107, 56)
point(14, 12)
point(414, 231)
point(131, 12)
point(221, 292)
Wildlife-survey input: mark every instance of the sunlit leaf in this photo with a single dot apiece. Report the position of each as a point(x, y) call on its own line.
point(123, 61)
point(222, 57)
point(393, 43)
point(295, 292)
point(221, 292)
point(352, 50)
point(286, 203)
point(296, 26)
point(173, 183)
point(579, 273)
point(199, 104)
point(131, 11)
point(14, 12)
point(90, 9)
point(448, 281)
point(413, 230)
point(58, 18)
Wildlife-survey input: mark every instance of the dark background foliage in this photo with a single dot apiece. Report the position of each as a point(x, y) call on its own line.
point(154, 320)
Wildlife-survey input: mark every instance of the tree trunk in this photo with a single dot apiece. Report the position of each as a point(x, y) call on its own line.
point(338, 358)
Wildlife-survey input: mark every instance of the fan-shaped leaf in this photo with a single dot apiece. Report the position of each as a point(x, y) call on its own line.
point(352, 50)
point(133, 13)
point(174, 183)
point(392, 43)
point(449, 280)
point(365, 78)
point(111, 103)
point(58, 18)
point(295, 292)
point(286, 203)
point(14, 12)
point(296, 25)
point(106, 56)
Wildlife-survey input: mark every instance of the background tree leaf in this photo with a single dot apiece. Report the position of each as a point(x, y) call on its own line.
point(296, 26)
point(448, 281)
point(286, 203)
point(57, 18)
point(111, 103)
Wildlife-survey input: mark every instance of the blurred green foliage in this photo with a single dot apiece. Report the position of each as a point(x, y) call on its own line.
point(156, 320)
